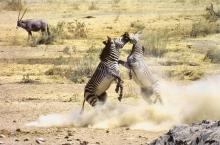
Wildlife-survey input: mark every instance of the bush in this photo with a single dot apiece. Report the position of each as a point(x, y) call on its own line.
point(69, 30)
point(84, 69)
point(213, 55)
point(203, 28)
point(81, 69)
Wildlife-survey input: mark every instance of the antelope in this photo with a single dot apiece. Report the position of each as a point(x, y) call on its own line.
point(32, 25)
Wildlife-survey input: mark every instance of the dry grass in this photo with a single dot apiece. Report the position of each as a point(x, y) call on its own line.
point(77, 72)
point(14, 5)
point(69, 30)
point(137, 25)
point(155, 42)
point(204, 27)
point(213, 55)
point(93, 6)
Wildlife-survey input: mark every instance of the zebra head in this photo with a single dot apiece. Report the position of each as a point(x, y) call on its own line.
point(118, 42)
point(112, 46)
point(133, 37)
point(122, 40)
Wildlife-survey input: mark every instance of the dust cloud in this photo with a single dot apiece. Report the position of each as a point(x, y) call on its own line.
point(186, 103)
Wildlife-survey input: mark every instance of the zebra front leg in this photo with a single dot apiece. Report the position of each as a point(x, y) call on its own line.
point(119, 86)
point(125, 64)
point(121, 90)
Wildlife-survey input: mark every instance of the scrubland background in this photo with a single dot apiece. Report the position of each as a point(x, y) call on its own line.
point(181, 39)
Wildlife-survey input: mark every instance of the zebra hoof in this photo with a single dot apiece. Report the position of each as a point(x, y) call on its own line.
point(116, 90)
point(119, 99)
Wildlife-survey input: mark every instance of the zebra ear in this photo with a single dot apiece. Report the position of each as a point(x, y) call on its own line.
point(126, 34)
point(109, 39)
point(104, 42)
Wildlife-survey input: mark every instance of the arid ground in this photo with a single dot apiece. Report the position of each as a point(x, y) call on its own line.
point(181, 39)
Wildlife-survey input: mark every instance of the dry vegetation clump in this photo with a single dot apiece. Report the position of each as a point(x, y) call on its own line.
point(93, 6)
point(93, 50)
point(76, 6)
point(63, 30)
point(213, 55)
point(184, 72)
point(131, 91)
point(137, 25)
point(204, 27)
point(155, 42)
point(84, 69)
point(78, 72)
point(115, 3)
point(180, 1)
point(26, 79)
point(70, 30)
point(14, 5)
point(69, 50)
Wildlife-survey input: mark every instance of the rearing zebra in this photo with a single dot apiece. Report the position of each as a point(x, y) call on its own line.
point(139, 70)
point(106, 72)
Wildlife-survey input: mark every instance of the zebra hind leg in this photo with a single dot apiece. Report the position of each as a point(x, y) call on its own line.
point(120, 83)
point(117, 86)
point(82, 109)
point(147, 94)
point(103, 97)
point(130, 74)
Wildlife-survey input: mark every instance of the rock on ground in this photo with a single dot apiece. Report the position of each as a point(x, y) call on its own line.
point(202, 133)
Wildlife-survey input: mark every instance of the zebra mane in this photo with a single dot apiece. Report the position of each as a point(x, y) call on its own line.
point(105, 50)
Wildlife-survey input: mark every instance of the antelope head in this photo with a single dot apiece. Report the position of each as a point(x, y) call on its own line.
point(20, 21)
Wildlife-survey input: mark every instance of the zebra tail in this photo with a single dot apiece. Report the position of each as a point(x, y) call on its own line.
point(82, 109)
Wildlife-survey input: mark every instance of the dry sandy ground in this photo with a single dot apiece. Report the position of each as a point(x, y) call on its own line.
point(22, 103)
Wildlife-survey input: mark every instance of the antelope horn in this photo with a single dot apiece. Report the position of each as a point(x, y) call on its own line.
point(19, 14)
point(23, 13)
point(19, 4)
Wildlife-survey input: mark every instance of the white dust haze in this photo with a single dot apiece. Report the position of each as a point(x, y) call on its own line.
point(182, 104)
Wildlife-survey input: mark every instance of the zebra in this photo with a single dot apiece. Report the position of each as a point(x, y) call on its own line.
point(140, 72)
point(106, 72)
